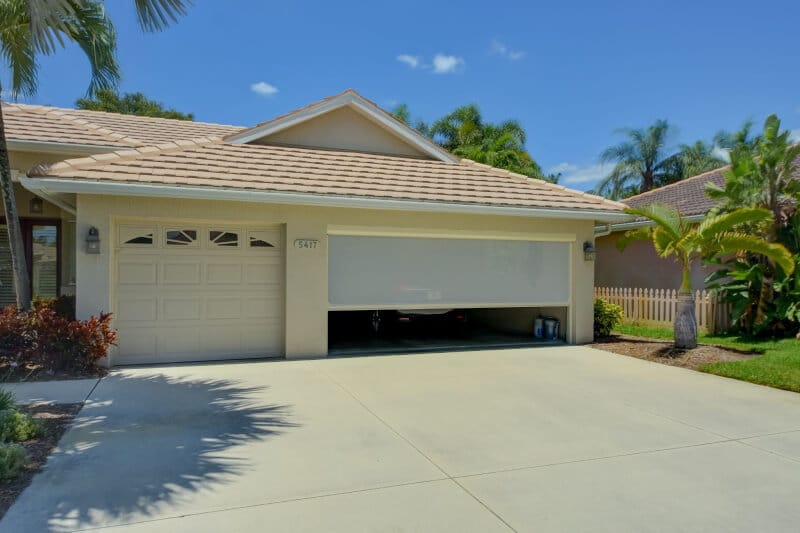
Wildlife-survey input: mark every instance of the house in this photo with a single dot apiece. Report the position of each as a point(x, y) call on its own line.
point(639, 266)
point(220, 242)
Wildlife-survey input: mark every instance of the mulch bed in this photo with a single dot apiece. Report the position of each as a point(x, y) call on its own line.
point(663, 351)
point(56, 419)
point(11, 374)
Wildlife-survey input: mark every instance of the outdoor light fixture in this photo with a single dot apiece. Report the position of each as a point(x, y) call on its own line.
point(92, 241)
point(36, 205)
point(589, 251)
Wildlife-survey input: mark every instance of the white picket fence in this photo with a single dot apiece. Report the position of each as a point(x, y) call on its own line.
point(656, 307)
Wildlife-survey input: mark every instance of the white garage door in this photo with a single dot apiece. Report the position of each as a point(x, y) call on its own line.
point(367, 272)
point(187, 292)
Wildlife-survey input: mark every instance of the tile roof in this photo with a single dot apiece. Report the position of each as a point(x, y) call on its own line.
point(688, 195)
point(76, 126)
point(210, 162)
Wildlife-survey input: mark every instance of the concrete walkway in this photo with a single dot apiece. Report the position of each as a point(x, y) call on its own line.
point(48, 392)
point(538, 439)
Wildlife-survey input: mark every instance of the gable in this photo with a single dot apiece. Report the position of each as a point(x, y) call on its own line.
point(343, 129)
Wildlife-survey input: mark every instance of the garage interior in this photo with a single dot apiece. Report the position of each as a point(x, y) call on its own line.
point(353, 332)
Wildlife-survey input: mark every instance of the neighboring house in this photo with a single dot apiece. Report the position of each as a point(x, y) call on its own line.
point(639, 266)
point(220, 242)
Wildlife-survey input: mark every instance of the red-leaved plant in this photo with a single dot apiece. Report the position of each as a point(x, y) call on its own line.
point(43, 337)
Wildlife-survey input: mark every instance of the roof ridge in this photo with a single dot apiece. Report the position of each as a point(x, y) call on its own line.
point(679, 182)
point(545, 183)
point(126, 153)
point(112, 135)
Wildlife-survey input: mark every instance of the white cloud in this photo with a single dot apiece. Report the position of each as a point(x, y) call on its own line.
point(722, 153)
point(444, 64)
point(501, 49)
point(411, 61)
point(583, 176)
point(263, 88)
point(794, 135)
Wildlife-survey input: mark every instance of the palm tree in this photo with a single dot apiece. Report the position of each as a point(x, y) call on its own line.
point(640, 163)
point(673, 236)
point(743, 136)
point(30, 28)
point(697, 158)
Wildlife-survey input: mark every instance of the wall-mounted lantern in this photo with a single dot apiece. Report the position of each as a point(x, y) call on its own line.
point(93, 241)
point(36, 205)
point(589, 252)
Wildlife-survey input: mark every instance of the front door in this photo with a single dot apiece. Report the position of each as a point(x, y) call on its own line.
point(42, 239)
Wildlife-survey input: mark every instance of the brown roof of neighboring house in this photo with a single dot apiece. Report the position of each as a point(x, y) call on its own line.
point(25, 122)
point(211, 162)
point(688, 195)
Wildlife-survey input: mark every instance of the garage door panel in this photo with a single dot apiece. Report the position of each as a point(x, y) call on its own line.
point(181, 273)
point(208, 302)
point(224, 273)
point(181, 308)
point(401, 271)
point(224, 307)
point(136, 272)
point(137, 309)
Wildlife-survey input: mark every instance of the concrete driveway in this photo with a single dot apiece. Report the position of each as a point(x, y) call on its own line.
point(536, 439)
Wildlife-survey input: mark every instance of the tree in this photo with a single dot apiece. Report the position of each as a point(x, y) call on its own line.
point(697, 158)
point(728, 140)
point(464, 133)
point(640, 163)
point(31, 28)
point(673, 236)
point(762, 174)
point(129, 104)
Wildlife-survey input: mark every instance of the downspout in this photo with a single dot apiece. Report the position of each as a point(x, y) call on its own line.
point(602, 232)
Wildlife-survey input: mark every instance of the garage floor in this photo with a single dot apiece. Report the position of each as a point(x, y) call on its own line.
point(421, 342)
point(536, 439)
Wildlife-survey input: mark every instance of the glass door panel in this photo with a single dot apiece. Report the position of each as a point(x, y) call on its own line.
point(7, 295)
point(44, 260)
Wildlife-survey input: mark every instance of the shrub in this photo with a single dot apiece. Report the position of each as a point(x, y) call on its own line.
point(63, 305)
point(41, 336)
point(18, 427)
point(7, 400)
point(12, 459)
point(606, 317)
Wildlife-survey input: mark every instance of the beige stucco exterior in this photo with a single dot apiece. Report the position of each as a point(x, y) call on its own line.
point(639, 266)
point(306, 275)
point(344, 129)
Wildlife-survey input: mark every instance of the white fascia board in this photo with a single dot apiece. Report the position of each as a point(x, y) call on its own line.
point(641, 223)
point(401, 130)
point(61, 148)
point(217, 193)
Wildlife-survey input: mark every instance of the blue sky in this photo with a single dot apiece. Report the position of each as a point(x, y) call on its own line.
point(571, 72)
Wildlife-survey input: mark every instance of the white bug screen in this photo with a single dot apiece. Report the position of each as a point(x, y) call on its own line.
point(388, 272)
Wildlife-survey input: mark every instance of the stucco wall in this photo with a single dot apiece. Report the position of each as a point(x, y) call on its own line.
point(344, 129)
point(306, 269)
point(639, 266)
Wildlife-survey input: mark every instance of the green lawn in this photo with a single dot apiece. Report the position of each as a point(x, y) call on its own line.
point(778, 366)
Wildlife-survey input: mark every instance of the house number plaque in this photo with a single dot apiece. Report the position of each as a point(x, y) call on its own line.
point(308, 244)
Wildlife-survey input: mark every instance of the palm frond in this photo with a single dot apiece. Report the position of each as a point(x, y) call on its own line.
point(92, 30)
point(713, 225)
point(639, 234)
point(736, 242)
point(18, 47)
point(663, 215)
point(155, 15)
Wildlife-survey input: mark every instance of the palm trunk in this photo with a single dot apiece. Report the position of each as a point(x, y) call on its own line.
point(18, 266)
point(685, 325)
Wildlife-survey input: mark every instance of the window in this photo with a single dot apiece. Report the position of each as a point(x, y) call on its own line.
point(262, 239)
point(228, 239)
point(147, 238)
point(42, 241)
point(181, 237)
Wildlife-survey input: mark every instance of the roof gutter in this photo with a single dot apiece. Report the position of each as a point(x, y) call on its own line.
point(637, 224)
point(218, 193)
point(61, 148)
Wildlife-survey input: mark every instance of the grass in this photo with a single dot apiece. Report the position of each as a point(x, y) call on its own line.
point(778, 365)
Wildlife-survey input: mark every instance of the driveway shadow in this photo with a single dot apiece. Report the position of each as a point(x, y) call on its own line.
point(144, 444)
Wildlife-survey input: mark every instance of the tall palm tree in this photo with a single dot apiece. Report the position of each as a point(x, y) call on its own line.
point(697, 158)
point(743, 136)
point(31, 28)
point(674, 236)
point(640, 163)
